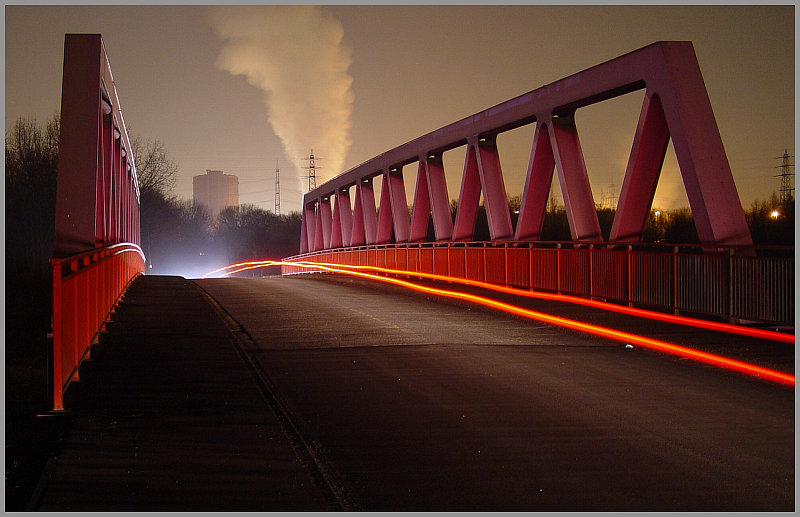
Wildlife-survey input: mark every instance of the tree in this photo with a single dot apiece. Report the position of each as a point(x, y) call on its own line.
point(31, 170)
point(247, 232)
point(155, 171)
point(162, 216)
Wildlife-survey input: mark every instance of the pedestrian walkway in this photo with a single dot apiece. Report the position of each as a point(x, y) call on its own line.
point(169, 418)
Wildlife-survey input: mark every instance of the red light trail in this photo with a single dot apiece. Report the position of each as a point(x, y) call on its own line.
point(617, 335)
point(643, 313)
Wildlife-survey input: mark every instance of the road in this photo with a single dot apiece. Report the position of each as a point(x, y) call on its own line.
point(413, 404)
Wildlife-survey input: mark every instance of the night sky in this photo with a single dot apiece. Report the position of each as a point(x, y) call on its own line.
point(239, 90)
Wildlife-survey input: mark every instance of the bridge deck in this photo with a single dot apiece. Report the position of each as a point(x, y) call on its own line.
point(171, 419)
point(373, 399)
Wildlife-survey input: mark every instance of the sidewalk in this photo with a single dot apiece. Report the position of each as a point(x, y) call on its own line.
point(169, 418)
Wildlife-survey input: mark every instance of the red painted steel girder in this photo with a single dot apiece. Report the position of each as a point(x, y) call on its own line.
point(676, 106)
point(97, 197)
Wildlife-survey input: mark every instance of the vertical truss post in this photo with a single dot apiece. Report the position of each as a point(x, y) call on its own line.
point(494, 190)
point(310, 215)
point(468, 198)
point(103, 176)
point(304, 248)
point(325, 220)
point(574, 181)
point(537, 186)
point(366, 195)
point(345, 214)
point(358, 234)
point(342, 219)
point(641, 176)
point(397, 196)
point(422, 206)
point(439, 201)
point(384, 234)
point(336, 229)
point(319, 241)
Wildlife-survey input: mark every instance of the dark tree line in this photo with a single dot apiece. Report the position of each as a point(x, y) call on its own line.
point(771, 222)
point(31, 166)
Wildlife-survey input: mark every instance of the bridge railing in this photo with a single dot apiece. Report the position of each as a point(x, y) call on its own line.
point(730, 283)
point(97, 219)
point(86, 288)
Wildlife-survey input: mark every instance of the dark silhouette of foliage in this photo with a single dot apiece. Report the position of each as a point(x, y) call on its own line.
point(680, 228)
point(247, 232)
point(606, 218)
point(772, 223)
point(31, 169)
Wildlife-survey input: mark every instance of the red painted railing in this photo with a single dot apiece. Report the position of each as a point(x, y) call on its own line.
point(86, 287)
point(733, 283)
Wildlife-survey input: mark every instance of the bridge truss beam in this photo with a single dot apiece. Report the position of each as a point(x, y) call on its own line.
point(676, 106)
point(97, 197)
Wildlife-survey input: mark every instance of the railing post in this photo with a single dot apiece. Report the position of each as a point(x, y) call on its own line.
point(75, 329)
point(530, 266)
point(730, 285)
point(466, 271)
point(484, 262)
point(448, 259)
point(675, 280)
point(558, 268)
point(58, 338)
point(629, 291)
point(591, 266)
point(505, 260)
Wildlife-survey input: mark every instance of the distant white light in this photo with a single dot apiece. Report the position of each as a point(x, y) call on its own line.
point(775, 214)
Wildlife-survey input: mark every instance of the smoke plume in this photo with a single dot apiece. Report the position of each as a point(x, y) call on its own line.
point(296, 56)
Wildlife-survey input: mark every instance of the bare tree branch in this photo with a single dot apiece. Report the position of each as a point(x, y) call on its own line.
point(156, 172)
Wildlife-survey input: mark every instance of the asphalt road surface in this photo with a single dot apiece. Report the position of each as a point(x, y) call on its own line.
point(413, 404)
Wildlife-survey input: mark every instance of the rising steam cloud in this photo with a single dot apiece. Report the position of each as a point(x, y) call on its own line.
point(296, 56)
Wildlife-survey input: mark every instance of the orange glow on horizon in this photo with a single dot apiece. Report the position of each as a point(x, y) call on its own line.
point(653, 344)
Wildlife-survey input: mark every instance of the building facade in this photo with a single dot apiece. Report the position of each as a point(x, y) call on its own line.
point(215, 190)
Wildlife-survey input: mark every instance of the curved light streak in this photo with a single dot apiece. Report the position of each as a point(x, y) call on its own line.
point(642, 313)
point(597, 330)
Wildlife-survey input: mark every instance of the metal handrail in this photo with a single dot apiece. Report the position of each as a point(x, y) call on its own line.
point(733, 283)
